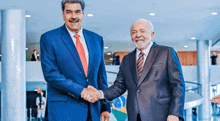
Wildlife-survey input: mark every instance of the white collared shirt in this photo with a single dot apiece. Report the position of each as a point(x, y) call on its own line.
point(82, 40)
point(35, 55)
point(146, 52)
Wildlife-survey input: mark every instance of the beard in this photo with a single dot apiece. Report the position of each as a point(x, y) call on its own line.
point(141, 43)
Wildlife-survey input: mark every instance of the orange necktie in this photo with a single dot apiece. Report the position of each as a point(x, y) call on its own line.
point(81, 53)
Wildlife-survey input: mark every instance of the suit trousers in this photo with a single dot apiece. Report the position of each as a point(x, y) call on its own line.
point(89, 117)
point(138, 117)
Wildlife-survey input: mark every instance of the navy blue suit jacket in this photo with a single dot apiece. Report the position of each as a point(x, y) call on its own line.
point(160, 90)
point(65, 76)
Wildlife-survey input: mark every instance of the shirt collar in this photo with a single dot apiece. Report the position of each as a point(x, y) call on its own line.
point(146, 51)
point(72, 33)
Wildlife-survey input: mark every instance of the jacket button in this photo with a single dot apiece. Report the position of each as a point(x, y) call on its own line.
point(138, 91)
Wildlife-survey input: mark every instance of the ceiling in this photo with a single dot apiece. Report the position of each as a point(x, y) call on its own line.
point(175, 21)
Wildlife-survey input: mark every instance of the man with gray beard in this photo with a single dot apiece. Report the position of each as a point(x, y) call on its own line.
point(152, 75)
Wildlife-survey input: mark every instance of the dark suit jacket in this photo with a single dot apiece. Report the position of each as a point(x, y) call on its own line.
point(65, 76)
point(160, 90)
point(33, 58)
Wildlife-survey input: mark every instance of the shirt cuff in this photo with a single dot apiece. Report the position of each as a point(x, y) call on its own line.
point(102, 94)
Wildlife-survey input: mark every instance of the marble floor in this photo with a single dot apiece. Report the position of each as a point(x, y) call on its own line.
point(214, 118)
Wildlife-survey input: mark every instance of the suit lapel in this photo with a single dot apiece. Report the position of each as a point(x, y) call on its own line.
point(70, 45)
point(90, 46)
point(148, 62)
point(133, 65)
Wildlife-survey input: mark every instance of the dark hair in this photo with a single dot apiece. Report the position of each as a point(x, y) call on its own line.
point(34, 50)
point(73, 1)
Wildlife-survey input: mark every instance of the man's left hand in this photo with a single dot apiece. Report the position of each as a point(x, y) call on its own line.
point(172, 118)
point(105, 116)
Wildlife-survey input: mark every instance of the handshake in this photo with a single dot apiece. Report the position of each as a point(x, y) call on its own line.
point(91, 94)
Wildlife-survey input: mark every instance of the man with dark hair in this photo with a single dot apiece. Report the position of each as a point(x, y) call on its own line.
point(81, 2)
point(214, 59)
point(34, 56)
point(72, 58)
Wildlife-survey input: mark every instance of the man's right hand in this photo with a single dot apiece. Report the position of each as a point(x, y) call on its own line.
point(90, 94)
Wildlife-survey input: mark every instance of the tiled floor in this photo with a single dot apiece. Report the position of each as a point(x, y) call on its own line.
point(214, 118)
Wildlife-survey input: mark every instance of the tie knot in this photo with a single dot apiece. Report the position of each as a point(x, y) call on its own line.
point(76, 36)
point(141, 54)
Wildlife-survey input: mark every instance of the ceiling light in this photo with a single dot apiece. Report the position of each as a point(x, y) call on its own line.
point(193, 38)
point(109, 53)
point(214, 13)
point(186, 46)
point(90, 15)
point(28, 16)
point(26, 48)
point(152, 14)
point(106, 47)
point(104, 39)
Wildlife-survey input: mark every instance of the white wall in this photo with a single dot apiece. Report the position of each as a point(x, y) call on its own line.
point(189, 73)
point(34, 73)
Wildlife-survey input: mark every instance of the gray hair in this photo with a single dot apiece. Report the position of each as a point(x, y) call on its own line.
point(148, 22)
point(73, 1)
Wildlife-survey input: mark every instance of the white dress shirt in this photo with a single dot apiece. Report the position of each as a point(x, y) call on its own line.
point(35, 55)
point(146, 52)
point(41, 113)
point(82, 40)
